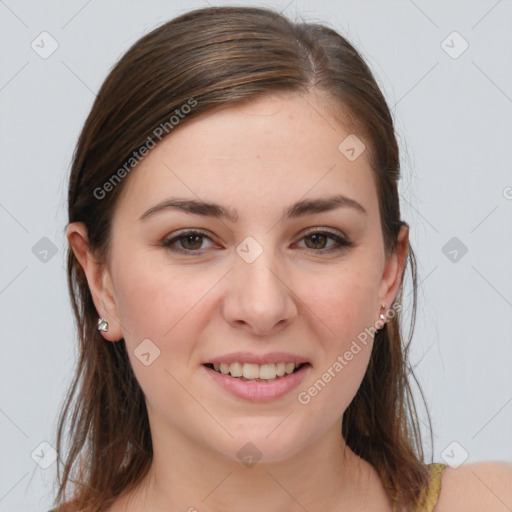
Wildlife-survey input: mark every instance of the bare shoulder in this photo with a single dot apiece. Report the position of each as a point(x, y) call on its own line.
point(476, 487)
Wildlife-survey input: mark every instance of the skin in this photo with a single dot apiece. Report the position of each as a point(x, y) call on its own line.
point(296, 297)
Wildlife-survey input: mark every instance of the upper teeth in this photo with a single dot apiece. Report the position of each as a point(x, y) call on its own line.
point(256, 371)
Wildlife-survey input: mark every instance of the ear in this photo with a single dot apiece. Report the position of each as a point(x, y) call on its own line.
point(98, 279)
point(394, 269)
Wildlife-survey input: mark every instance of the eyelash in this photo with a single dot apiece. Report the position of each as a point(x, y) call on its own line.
point(342, 243)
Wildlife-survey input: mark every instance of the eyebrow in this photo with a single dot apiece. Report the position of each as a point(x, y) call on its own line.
point(299, 209)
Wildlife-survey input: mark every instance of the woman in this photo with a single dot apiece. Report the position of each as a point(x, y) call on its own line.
point(236, 265)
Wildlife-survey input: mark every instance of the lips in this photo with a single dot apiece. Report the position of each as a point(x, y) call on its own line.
point(249, 366)
point(257, 377)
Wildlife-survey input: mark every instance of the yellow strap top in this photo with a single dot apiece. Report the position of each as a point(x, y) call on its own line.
point(430, 494)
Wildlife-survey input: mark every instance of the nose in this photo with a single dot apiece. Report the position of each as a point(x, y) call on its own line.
point(258, 297)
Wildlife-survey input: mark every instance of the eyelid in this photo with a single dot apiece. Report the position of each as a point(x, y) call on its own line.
point(320, 229)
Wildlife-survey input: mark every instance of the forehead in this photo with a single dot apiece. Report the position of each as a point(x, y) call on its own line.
point(270, 151)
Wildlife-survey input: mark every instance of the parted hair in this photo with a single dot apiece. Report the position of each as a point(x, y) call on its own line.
point(222, 56)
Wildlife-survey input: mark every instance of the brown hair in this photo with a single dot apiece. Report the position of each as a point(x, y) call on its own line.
point(210, 58)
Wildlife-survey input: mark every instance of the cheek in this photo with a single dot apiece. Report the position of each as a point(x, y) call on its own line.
point(334, 386)
point(163, 305)
point(344, 314)
point(156, 301)
point(344, 301)
point(337, 375)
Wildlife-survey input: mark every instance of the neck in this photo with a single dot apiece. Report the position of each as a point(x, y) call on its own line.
point(325, 475)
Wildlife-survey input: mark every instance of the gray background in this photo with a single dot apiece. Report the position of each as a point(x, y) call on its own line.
point(454, 123)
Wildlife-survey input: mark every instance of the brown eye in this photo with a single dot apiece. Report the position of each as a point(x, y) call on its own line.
point(318, 241)
point(324, 242)
point(187, 242)
point(191, 242)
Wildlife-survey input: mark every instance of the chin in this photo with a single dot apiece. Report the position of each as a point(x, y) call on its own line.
point(258, 442)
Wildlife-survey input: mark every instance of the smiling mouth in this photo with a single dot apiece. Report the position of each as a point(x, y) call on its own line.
point(249, 372)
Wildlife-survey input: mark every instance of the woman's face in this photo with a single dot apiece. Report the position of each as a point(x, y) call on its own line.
point(287, 267)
